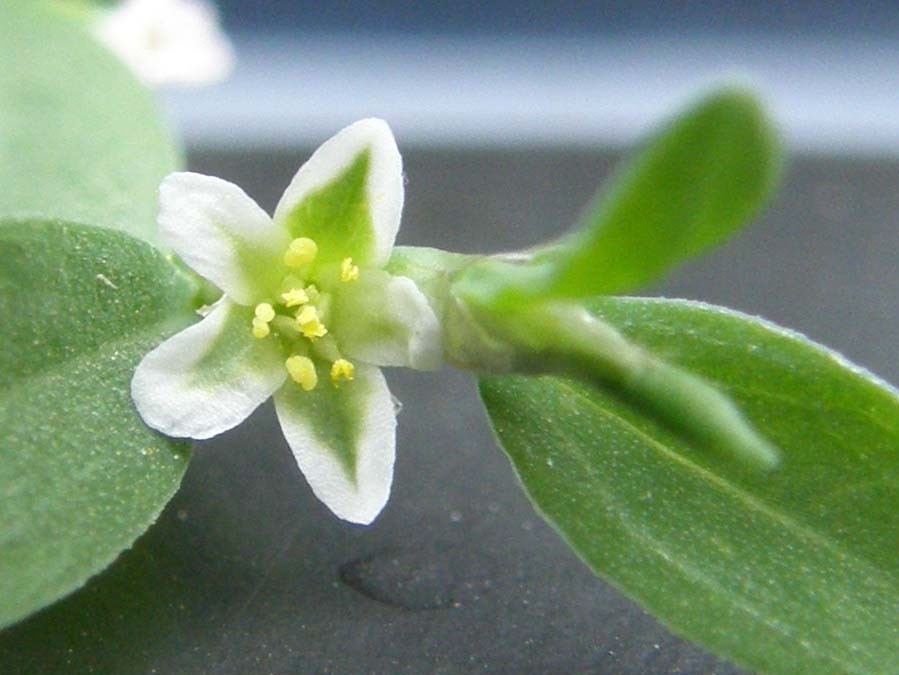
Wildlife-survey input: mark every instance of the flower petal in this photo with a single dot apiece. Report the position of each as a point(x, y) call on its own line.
point(209, 377)
point(386, 320)
point(349, 196)
point(221, 233)
point(167, 41)
point(344, 441)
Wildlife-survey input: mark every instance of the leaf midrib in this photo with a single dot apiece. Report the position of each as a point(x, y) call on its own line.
point(793, 526)
point(659, 549)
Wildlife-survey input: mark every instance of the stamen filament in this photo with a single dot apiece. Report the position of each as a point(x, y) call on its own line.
point(285, 325)
point(312, 291)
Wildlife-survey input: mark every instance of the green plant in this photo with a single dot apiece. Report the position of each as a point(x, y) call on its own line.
point(734, 477)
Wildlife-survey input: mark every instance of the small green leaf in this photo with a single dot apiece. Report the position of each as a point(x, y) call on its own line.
point(790, 571)
point(80, 475)
point(80, 139)
point(695, 184)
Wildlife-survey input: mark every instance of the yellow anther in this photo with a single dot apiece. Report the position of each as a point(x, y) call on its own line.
point(300, 252)
point(309, 314)
point(265, 312)
point(295, 297)
point(314, 330)
point(348, 271)
point(261, 329)
point(309, 323)
point(342, 371)
point(302, 371)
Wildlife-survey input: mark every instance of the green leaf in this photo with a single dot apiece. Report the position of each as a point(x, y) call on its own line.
point(790, 571)
point(80, 475)
point(80, 139)
point(696, 183)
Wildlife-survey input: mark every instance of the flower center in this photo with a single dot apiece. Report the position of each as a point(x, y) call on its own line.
point(298, 316)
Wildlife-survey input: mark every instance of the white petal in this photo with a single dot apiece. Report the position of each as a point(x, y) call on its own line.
point(168, 41)
point(383, 188)
point(221, 233)
point(344, 441)
point(209, 377)
point(387, 321)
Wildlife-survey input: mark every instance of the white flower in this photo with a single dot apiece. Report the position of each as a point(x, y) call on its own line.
point(168, 41)
point(307, 316)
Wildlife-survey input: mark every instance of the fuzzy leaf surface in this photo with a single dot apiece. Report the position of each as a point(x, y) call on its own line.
point(81, 476)
point(793, 570)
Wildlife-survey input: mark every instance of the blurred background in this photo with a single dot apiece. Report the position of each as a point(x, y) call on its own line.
point(509, 115)
point(564, 72)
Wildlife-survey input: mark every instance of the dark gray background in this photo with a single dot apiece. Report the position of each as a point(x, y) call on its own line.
point(247, 573)
point(558, 17)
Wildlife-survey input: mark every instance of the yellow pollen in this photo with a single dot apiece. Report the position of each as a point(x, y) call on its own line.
point(294, 297)
point(302, 371)
point(265, 312)
point(309, 323)
point(342, 371)
point(261, 329)
point(307, 315)
point(348, 271)
point(300, 252)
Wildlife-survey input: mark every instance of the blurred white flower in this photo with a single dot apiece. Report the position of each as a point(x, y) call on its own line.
point(168, 41)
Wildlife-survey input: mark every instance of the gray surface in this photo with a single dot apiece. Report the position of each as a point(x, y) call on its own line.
point(247, 573)
point(835, 94)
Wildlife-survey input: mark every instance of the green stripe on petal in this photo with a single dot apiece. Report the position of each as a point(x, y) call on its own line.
point(344, 440)
point(209, 377)
point(348, 197)
point(222, 234)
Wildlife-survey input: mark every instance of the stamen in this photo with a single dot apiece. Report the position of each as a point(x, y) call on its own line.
point(261, 329)
point(309, 323)
point(348, 271)
point(302, 371)
point(300, 252)
point(312, 292)
point(265, 312)
point(295, 297)
point(342, 371)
